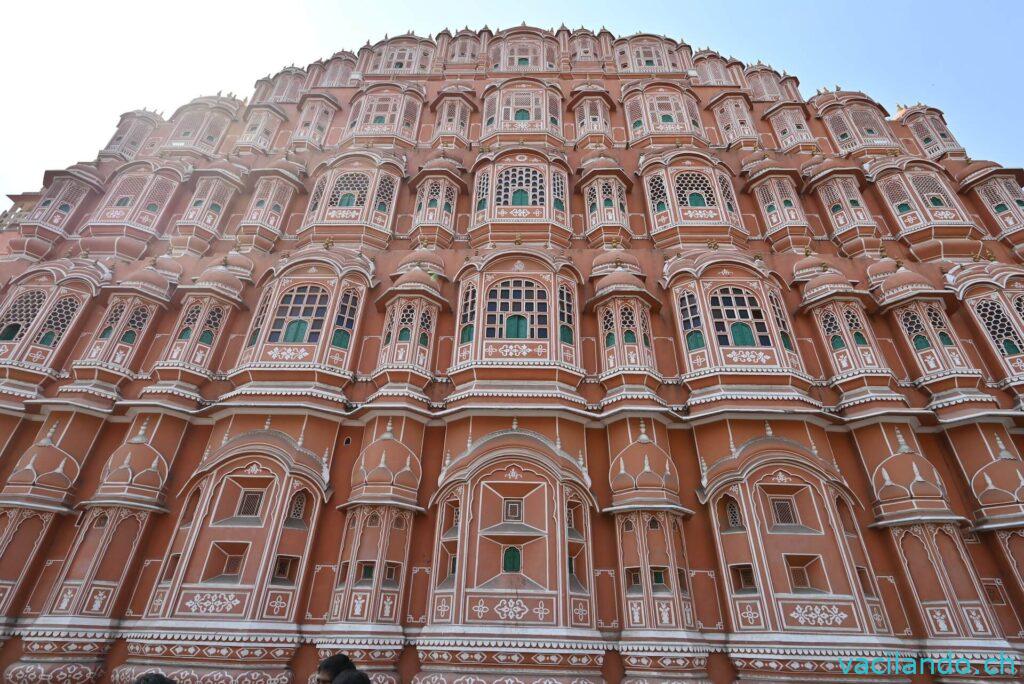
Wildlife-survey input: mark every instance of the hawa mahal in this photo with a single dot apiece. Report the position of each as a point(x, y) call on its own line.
point(513, 357)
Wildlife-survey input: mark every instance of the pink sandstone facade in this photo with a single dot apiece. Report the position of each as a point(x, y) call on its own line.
point(513, 357)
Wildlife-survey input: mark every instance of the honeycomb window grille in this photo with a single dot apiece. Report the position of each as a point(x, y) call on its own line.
point(189, 322)
point(20, 314)
point(259, 320)
point(350, 190)
point(931, 190)
point(781, 321)
point(126, 192)
point(112, 319)
point(345, 320)
point(467, 317)
point(830, 327)
point(300, 316)
point(915, 330)
point(657, 195)
point(214, 318)
point(691, 322)
point(426, 327)
point(136, 324)
point(728, 199)
point(667, 111)
point(483, 184)
point(937, 319)
point(405, 322)
point(520, 186)
point(738, 319)
point(314, 199)
point(566, 315)
point(628, 324)
point(694, 190)
point(57, 321)
point(385, 194)
point(516, 309)
point(558, 191)
point(898, 197)
point(840, 129)
point(734, 518)
point(855, 325)
point(608, 328)
point(869, 124)
point(297, 506)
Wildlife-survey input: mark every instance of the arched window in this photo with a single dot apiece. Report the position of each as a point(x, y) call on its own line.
point(733, 516)
point(517, 306)
point(999, 327)
point(345, 321)
point(938, 322)
point(211, 325)
point(830, 325)
point(608, 328)
point(511, 559)
point(915, 330)
point(349, 190)
point(689, 318)
point(657, 194)
point(467, 319)
point(300, 315)
point(58, 321)
point(566, 315)
point(189, 322)
point(297, 507)
point(20, 314)
point(520, 186)
point(738, 319)
point(136, 322)
point(855, 326)
point(483, 185)
point(261, 316)
point(781, 321)
point(694, 190)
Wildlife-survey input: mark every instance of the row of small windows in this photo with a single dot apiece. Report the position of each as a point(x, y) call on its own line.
point(516, 308)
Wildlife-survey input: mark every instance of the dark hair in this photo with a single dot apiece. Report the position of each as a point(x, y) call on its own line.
point(352, 676)
point(339, 662)
point(153, 678)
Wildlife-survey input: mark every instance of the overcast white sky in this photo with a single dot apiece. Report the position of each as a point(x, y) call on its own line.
point(71, 68)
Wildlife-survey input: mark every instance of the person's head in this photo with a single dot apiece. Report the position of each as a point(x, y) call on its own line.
point(351, 677)
point(331, 666)
point(153, 678)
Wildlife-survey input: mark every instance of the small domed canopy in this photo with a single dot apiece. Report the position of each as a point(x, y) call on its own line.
point(218, 278)
point(292, 172)
point(881, 269)
point(819, 169)
point(642, 476)
point(761, 163)
point(148, 281)
point(826, 285)
point(414, 281)
point(427, 259)
point(614, 259)
point(902, 285)
point(977, 171)
point(598, 163)
point(810, 266)
point(621, 282)
point(387, 472)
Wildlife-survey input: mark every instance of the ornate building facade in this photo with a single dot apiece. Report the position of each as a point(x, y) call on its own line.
point(513, 356)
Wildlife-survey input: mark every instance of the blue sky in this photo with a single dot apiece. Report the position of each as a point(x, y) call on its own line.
point(73, 67)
